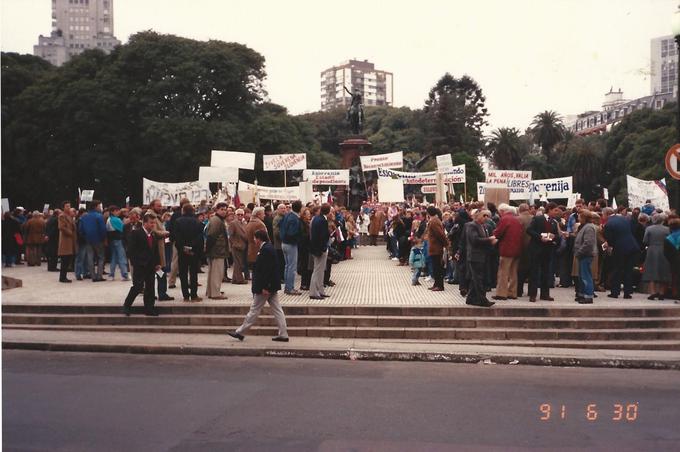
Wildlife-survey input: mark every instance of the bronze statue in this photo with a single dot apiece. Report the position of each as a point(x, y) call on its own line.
point(355, 112)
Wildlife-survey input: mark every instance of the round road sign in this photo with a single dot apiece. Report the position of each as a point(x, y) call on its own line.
point(672, 159)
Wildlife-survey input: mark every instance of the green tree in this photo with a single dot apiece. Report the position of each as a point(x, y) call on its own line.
point(505, 149)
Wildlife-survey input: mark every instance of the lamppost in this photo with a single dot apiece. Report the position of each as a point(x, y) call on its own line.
point(676, 33)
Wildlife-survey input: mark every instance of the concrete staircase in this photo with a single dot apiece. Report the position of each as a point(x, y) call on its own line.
point(624, 328)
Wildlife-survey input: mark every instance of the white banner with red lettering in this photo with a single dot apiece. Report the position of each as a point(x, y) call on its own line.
point(283, 162)
point(326, 176)
point(373, 162)
point(454, 175)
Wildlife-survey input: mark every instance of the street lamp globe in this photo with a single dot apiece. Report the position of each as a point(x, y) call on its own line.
point(676, 22)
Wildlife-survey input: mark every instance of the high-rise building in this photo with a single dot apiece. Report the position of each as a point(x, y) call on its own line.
point(664, 66)
point(77, 25)
point(375, 86)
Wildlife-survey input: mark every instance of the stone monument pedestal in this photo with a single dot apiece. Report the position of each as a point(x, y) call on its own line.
point(350, 150)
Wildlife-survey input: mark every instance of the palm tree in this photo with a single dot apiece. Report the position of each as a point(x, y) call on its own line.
point(505, 149)
point(586, 162)
point(548, 130)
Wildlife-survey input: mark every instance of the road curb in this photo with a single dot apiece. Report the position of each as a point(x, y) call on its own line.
point(350, 354)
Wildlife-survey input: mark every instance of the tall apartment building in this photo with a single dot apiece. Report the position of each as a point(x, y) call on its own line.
point(664, 66)
point(77, 25)
point(376, 87)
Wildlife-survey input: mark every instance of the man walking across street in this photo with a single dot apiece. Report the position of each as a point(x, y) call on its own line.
point(145, 258)
point(318, 248)
point(266, 284)
point(290, 228)
point(217, 250)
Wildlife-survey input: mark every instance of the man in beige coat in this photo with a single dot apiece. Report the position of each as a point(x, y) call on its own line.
point(238, 242)
point(256, 223)
point(216, 250)
point(67, 240)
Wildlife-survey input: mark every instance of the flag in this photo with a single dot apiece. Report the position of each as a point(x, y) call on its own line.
point(237, 200)
point(329, 196)
point(614, 203)
point(461, 199)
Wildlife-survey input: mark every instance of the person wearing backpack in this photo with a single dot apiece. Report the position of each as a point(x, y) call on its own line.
point(417, 260)
point(289, 230)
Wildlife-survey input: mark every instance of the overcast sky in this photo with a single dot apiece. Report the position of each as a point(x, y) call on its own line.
point(528, 56)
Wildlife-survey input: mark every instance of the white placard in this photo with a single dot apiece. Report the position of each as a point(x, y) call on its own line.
point(639, 191)
point(481, 191)
point(282, 162)
point(326, 176)
point(444, 162)
point(46, 208)
point(5, 205)
point(273, 193)
point(390, 190)
point(431, 189)
point(217, 174)
point(373, 162)
point(454, 175)
point(518, 182)
point(306, 192)
point(231, 159)
point(556, 188)
point(170, 194)
point(605, 193)
point(87, 195)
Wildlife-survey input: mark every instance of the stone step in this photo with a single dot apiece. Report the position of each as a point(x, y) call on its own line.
point(349, 321)
point(648, 334)
point(443, 311)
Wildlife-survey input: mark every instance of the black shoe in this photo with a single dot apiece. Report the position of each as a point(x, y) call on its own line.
point(486, 304)
point(652, 296)
point(280, 339)
point(331, 283)
point(151, 313)
point(627, 297)
point(98, 280)
point(611, 295)
point(496, 297)
point(325, 296)
point(65, 280)
point(316, 298)
point(166, 298)
point(585, 301)
point(126, 311)
point(79, 278)
point(235, 335)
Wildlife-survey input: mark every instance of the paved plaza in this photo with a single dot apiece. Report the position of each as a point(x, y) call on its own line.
point(369, 279)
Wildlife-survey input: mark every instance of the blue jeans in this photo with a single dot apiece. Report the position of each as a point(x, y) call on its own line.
point(9, 259)
point(79, 269)
point(415, 276)
point(93, 250)
point(118, 258)
point(584, 272)
point(290, 255)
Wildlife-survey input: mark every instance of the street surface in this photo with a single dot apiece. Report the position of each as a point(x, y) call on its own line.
point(107, 402)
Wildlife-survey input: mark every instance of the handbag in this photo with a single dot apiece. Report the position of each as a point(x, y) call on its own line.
point(19, 239)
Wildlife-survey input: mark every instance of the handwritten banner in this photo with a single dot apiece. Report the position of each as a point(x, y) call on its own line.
point(326, 176)
point(273, 193)
point(639, 191)
point(454, 175)
point(518, 182)
point(282, 162)
point(171, 193)
point(373, 162)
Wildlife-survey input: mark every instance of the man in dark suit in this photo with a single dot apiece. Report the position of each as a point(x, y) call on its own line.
point(318, 248)
point(187, 233)
point(146, 260)
point(618, 231)
point(477, 246)
point(265, 288)
point(545, 237)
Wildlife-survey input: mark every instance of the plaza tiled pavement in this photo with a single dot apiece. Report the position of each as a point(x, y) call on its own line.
point(369, 279)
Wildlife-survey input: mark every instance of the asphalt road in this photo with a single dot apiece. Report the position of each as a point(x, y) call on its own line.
point(99, 402)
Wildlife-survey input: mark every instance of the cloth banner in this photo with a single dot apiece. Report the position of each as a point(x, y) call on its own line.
point(282, 162)
point(639, 191)
point(518, 182)
point(373, 162)
point(454, 175)
point(231, 159)
point(171, 193)
point(326, 176)
point(273, 193)
point(217, 174)
point(444, 162)
point(557, 188)
point(390, 190)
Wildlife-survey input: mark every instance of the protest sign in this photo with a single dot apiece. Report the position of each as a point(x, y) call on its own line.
point(217, 174)
point(306, 192)
point(46, 208)
point(373, 162)
point(86, 195)
point(556, 188)
point(390, 190)
point(444, 162)
point(326, 176)
point(171, 193)
point(283, 162)
point(639, 191)
point(273, 193)
point(518, 182)
point(5, 205)
point(431, 189)
point(605, 193)
point(481, 191)
point(231, 159)
point(454, 175)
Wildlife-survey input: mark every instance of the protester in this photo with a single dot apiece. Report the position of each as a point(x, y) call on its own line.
point(256, 223)
point(161, 235)
point(67, 240)
point(11, 235)
point(146, 261)
point(509, 234)
point(114, 233)
point(52, 245)
point(437, 242)
point(187, 234)
point(290, 231)
point(93, 231)
point(276, 237)
point(477, 250)
point(318, 248)
point(305, 262)
point(216, 250)
point(624, 249)
point(174, 265)
point(585, 250)
point(672, 253)
point(238, 242)
point(376, 224)
point(544, 238)
point(266, 284)
point(657, 270)
point(416, 260)
point(34, 231)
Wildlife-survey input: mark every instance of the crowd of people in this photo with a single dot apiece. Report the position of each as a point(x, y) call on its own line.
point(591, 247)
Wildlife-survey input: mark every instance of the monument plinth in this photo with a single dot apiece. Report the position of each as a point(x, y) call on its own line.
point(351, 149)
